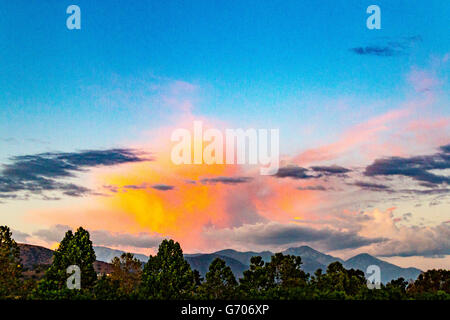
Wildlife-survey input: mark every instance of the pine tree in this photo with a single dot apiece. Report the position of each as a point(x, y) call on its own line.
point(220, 282)
point(74, 249)
point(167, 275)
point(10, 265)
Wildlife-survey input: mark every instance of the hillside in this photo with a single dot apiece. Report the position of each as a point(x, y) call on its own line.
point(389, 271)
point(201, 263)
point(311, 261)
point(106, 254)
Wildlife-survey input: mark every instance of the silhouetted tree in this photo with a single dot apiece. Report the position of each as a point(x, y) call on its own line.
point(127, 271)
point(220, 282)
point(431, 284)
point(74, 249)
point(167, 275)
point(10, 265)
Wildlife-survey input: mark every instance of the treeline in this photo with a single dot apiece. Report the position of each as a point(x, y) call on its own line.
point(167, 275)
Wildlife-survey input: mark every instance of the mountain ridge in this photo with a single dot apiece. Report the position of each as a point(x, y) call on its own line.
point(238, 261)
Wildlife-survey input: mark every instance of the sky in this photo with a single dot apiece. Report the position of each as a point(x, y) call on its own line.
point(86, 118)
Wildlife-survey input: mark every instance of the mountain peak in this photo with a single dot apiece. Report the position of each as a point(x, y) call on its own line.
point(363, 255)
point(302, 248)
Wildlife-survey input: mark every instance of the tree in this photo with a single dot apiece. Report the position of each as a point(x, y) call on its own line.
point(285, 271)
point(107, 289)
point(220, 282)
point(10, 265)
point(396, 289)
point(255, 281)
point(431, 284)
point(127, 271)
point(167, 275)
point(282, 277)
point(74, 249)
point(338, 282)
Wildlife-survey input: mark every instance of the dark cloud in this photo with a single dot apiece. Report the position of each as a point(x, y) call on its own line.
point(294, 172)
point(436, 191)
point(330, 170)
point(371, 186)
point(111, 188)
point(226, 180)
point(43, 172)
point(445, 149)
point(316, 188)
point(163, 187)
point(136, 187)
point(385, 51)
point(277, 234)
point(417, 168)
point(427, 185)
point(407, 216)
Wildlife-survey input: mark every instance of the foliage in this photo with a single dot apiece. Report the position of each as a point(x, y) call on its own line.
point(127, 272)
point(220, 282)
point(10, 265)
point(74, 249)
point(167, 275)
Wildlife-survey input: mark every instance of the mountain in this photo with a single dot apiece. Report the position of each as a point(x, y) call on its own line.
point(312, 259)
point(201, 263)
point(244, 257)
point(309, 253)
point(106, 254)
point(36, 257)
point(238, 261)
point(388, 270)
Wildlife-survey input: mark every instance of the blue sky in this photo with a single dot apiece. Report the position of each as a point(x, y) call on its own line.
point(249, 58)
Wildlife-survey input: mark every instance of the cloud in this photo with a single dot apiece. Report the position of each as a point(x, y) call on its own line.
point(19, 236)
point(315, 188)
point(418, 241)
point(355, 140)
point(445, 149)
point(294, 172)
point(226, 180)
point(162, 187)
point(42, 172)
point(276, 234)
point(297, 172)
point(436, 191)
point(330, 170)
point(417, 167)
point(136, 187)
point(53, 234)
point(113, 239)
point(102, 237)
point(376, 51)
point(371, 186)
point(391, 48)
